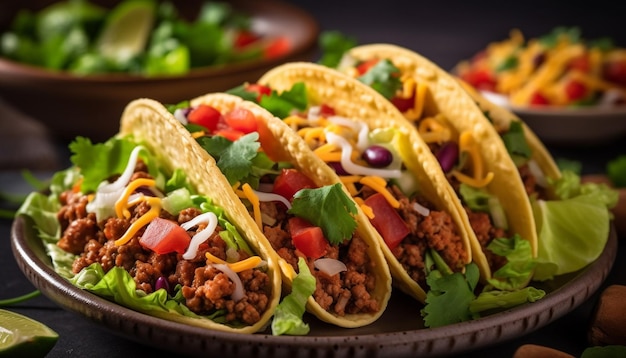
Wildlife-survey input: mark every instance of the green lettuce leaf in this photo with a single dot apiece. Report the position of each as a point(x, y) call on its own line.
point(289, 312)
point(518, 270)
point(384, 77)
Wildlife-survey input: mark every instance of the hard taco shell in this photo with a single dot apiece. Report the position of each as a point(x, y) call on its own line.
point(355, 100)
point(149, 122)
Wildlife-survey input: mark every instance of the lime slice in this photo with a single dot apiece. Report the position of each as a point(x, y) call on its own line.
point(127, 30)
point(21, 336)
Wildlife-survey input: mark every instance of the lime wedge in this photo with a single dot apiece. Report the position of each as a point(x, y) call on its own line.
point(127, 30)
point(21, 336)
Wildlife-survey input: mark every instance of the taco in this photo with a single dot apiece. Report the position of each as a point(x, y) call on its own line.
point(468, 148)
point(137, 220)
point(562, 206)
point(297, 204)
point(401, 194)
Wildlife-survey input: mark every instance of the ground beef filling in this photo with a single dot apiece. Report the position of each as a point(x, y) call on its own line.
point(348, 292)
point(205, 288)
point(530, 183)
point(436, 231)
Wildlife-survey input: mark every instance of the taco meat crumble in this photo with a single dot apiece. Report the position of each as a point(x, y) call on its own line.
point(205, 288)
point(345, 293)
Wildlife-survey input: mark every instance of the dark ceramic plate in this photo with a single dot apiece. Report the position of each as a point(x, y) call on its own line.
point(399, 332)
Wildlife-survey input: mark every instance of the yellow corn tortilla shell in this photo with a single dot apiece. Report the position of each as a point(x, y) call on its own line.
point(446, 96)
point(502, 118)
point(152, 125)
point(297, 152)
point(354, 100)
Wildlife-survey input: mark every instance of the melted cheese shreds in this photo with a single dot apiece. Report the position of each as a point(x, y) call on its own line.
point(367, 210)
point(417, 91)
point(312, 135)
point(247, 264)
point(473, 182)
point(256, 205)
point(328, 153)
point(121, 205)
point(380, 186)
point(433, 130)
point(201, 236)
point(155, 209)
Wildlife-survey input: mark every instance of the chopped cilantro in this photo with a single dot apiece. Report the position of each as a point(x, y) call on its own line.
point(282, 105)
point(509, 63)
point(334, 45)
point(616, 171)
point(234, 159)
point(384, 77)
point(515, 141)
point(329, 208)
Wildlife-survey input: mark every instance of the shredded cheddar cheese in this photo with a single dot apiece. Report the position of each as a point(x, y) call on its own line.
point(247, 264)
point(256, 204)
point(410, 88)
point(121, 205)
point(367, 210)
point(380, 185)
point(434, 129)
point(155, 208)
point(478, 179)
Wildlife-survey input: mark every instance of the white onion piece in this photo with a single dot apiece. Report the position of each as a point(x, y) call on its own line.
point(496, 98)
point(232, 275)
point(103, 203)
point(201, 236)
point(362, 129)
point(314, 114)
point(422, 210)
point(272, 197)
point(352, 168)
point(497, 213)
point(330, 267)
point(181, 115)
point(540, 177)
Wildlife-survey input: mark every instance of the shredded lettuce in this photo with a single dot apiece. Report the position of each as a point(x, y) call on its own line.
point(289, 312)
point(567, 242)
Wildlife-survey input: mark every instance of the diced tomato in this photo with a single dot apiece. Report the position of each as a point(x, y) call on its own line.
point(365, 66)
point(307, 238)
point(241, 119)
point(575, 90)
point(481, 79)
point(580, 63)
point(260, 90)
point(164, 236)
point(278, 47)
point(387, 221)
point(290, 181)
point(537, 99)
point(206, 116)
point(272, 147)
point(615, 71)
point(326, 110)
point(245, 38)
point(403, 104)
point(230, 134)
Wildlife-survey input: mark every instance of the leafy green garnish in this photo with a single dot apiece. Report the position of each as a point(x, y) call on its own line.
point(550, 40)
point(328, 207)
point(449, 297)
point(288, 315)
point(569, 217)
point(384, 77)
point(518, 270)
point(616, 171)
point(282, 105)
point(233, 158)
point(609, 351)
point(100, 161)
point(334, 45)
point(509, 63)
point(515, 142)
point(499, 300)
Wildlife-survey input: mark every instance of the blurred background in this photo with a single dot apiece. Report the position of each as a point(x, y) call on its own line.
point(446, 31)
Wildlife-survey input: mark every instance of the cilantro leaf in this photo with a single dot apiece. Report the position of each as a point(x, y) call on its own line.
point(384, 77)
point(449, 297)
point(282, 105)
point(515, 141)
point(329, 208)
point(234, 159)
point(616, 171)
point(240, 91)
point(98, 162)
point(334, 45)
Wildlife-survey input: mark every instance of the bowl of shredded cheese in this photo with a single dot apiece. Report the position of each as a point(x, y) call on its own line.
point(567, 88)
